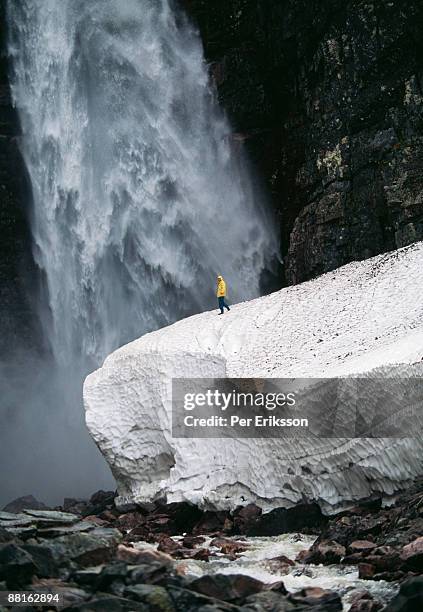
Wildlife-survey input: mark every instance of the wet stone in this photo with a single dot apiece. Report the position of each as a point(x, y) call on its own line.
point(409, 598)
point(317, 598)
point(23, 533)
point(233, 588)
point(268, 601)
point(92, 548)
point(88, 576)
point(190, 601)
point(362, 546)
point(156, 597)
point(5, 535)
point(52, 516)
point(135, 556)
point(54, 531)
point(412, 554)
point(46, 561)
point(72, 595)
point(15, 520)
point(16, 566)
point(152, 572)
point(363, 601)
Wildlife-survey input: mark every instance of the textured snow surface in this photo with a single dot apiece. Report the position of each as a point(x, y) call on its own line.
point(363, 316)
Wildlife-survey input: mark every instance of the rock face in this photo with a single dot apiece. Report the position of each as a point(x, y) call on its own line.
point(327, 97)
point(364, 316)
point(17, 319)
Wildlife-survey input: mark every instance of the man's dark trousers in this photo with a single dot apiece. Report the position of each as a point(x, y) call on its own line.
point(222, 304)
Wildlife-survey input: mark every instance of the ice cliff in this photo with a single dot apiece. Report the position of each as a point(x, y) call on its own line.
point(359, 318)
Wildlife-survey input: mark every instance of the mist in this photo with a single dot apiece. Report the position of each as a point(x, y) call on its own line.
point(139, 200)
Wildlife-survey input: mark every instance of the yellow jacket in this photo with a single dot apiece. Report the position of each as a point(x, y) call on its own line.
point(221, 287)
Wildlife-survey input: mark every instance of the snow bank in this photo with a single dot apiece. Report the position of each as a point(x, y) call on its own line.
point(363, 316)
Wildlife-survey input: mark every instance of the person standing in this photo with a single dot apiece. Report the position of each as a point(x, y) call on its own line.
point(221, 293)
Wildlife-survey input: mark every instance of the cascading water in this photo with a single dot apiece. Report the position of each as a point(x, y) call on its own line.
point(139, 199)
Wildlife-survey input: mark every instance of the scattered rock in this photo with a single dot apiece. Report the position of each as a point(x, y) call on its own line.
point(409, 598)
point(8, 520)
point(130, 520)
point(102, 498)
point(366, 571)
point(71, 594)
point(269, 601)
point(135, 556)
point(191, 541)
point(155, 597)
point(92, 518)
point(210, 523)
point(5, 535)
point(22, 533)
point(92, 548)
point(319, 599)
point(361, 546)
point(246, 517)
point(50, 517)
point(233, 588)
point(52, 532)
point(363, 601)
point(190, 601)
point(16, 566)
point(167, 545)
point(87, 576)
point(46, 560)
point(302, 517)
point(22, 503)
point(323, 551)
point(151, 572)
point(412, 554)
point(116, 571)
point(181, 518)
point(280, 565)
point(228, 546)
point(61, 546)
point(75, 506)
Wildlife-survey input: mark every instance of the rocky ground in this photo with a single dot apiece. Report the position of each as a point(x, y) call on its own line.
point(103, 559)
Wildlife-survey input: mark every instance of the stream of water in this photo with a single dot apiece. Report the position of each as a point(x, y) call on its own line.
point(260, 561)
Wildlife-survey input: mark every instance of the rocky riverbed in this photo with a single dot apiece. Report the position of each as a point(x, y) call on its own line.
point(176, 558)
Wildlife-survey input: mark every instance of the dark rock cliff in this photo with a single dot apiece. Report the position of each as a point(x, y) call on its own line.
point(327, 98)
point(17, 269)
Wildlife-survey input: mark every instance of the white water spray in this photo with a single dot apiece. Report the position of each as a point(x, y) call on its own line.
point(139, 200)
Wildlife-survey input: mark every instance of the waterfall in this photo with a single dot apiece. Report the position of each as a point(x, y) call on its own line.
point(139, 200)
point(139, 196)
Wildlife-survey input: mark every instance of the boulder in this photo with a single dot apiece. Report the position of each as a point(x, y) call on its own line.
point(25, 502)
point(85, 548)
point(323, 551)
point(142, 555)
point(409, 598)
point(317, 599)
point(231, 588)
point(364, 602)
point(16, 566)
point(412, 554)
point(153, 596)
point(366, 571)
point(361, 546)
